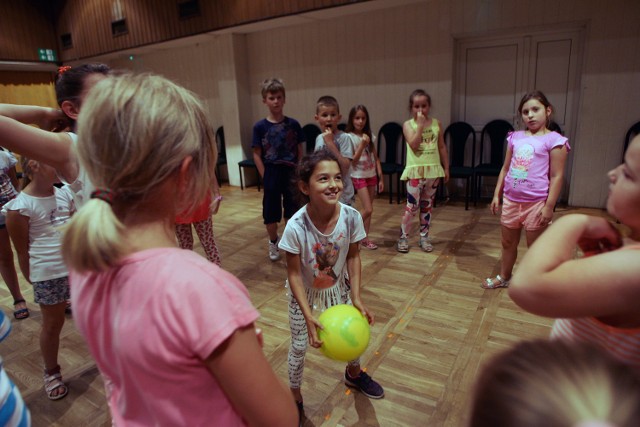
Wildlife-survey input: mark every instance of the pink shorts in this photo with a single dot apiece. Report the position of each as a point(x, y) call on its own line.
point(359, 183)
point(516, 215)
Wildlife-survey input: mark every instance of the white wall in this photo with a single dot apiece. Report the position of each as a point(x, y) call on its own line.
point(377, 58)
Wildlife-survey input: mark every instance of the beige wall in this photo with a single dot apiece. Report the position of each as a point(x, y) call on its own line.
point(378, 57)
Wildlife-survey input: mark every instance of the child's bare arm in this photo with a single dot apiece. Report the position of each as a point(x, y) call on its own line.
point(497, 193)
point(550, 282)
point(238, 365)
point(413, 137)
point(330, 143)
point(296, 286)
point(364, 143)
point(558, 157)
point(18, 228)
point(257, 159)
point(354, 268)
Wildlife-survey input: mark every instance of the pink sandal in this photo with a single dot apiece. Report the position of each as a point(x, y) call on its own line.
point(366, 243)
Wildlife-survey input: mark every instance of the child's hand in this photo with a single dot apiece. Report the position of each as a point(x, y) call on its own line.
point(599, 236)
point(495, 205)
point(54, 120)
point(380, 185)
point(365, 311)
point(365, 139)
point(215, 204)
point(312, 328)
point(327, 135)
point(421, 120)
point(545, 216)
point(446, 176)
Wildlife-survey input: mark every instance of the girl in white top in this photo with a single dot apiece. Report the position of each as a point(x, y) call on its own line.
point(47, 144)
point(33, 221)
point(323, 265)
point(365, 166)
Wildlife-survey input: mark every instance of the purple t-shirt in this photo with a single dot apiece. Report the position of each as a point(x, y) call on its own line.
point(528, 176)
point(150, 323)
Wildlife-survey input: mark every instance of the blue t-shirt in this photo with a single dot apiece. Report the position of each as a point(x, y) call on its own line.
point(279, 141)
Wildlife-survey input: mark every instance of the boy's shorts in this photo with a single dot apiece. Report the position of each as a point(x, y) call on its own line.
point(51, 292)
point(278, 193)
point(516, 215)
point(359, 183)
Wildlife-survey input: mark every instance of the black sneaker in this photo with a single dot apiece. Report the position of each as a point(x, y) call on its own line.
point(365, 384)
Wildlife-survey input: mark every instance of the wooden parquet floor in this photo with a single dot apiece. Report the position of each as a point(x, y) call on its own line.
point(435, 327)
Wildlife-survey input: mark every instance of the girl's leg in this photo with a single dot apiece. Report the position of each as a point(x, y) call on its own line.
point(204, 230)
point(532, 235)
point(52, 322)
point(364, 194)
point(184, 236)
point(297, 349)
point(410, 210)
point(427, 194)
point(510, 241)
point(9, 275)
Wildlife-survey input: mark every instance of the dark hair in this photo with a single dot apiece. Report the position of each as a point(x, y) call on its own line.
point(327, 101)
point(307, 165)
point(418, 92)
point(367, 125)
point(70, 80)
point(538, 96)
point(555, 383)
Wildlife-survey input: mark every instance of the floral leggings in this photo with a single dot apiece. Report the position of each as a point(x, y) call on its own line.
point(420, 193)
point(204, 230)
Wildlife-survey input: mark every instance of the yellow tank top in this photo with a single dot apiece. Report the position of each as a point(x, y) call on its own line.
point(425, 161)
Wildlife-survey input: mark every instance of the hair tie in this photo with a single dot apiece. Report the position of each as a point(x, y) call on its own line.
point(104, 194)
point(63, 69)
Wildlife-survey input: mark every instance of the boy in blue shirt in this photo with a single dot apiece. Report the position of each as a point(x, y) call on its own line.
point(277, 148)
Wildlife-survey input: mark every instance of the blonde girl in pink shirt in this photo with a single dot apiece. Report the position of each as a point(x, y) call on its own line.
point(172, 333)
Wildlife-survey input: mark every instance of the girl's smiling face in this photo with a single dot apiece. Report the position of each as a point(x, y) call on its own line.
point(325, 184)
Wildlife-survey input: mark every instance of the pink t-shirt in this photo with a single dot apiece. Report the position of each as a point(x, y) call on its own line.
point(150, 324)
point(528, 176)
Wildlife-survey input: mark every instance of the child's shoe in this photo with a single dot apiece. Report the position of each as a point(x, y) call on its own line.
point(365, 384)
point(425, 243)
point(403, 245)
point(274, 252)
point(368, 244)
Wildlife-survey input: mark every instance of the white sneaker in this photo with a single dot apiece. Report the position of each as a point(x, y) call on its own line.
point(274, 252)
point(425, 244)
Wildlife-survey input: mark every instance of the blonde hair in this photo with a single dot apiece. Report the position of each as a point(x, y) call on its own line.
point(555, 384)
point(135, 131)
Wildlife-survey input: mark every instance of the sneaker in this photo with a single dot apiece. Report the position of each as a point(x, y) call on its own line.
point(274, 252)
point(403, 245)
point(365, 384)
point(425, 243)
point(368, 244)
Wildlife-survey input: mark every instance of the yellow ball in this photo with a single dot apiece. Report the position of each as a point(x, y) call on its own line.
point(346, 332)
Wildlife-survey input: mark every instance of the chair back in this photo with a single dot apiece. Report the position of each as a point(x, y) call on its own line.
point(222, 150)
point(496, 132)
point(391, 138)
point(631, 133)
point(457, 135)
point(311, 132)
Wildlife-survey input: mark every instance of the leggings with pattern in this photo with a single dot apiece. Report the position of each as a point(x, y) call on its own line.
point(204, 230)
point(300, 341)
point(420, 194)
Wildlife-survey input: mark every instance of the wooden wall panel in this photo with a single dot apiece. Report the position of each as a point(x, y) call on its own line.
point(23, 30)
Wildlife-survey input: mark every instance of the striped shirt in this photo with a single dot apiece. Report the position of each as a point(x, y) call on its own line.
point(13, 411)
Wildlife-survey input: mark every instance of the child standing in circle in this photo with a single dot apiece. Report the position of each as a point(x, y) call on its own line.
point(427, 163)
point(594, 298)
point(172, 333)
point(365, 166)
point(8, 185)
point(323, 265)
point(530, 181)
point(277, 148)
point(33, 221)
point(201, 221)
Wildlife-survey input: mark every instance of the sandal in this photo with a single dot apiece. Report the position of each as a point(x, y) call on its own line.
point(54, 382)
point(497, 282)
point(20, 313)
point(368, 244)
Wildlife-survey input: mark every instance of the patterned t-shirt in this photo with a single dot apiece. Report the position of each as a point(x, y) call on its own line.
point(7, 191)
point(278, 141)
